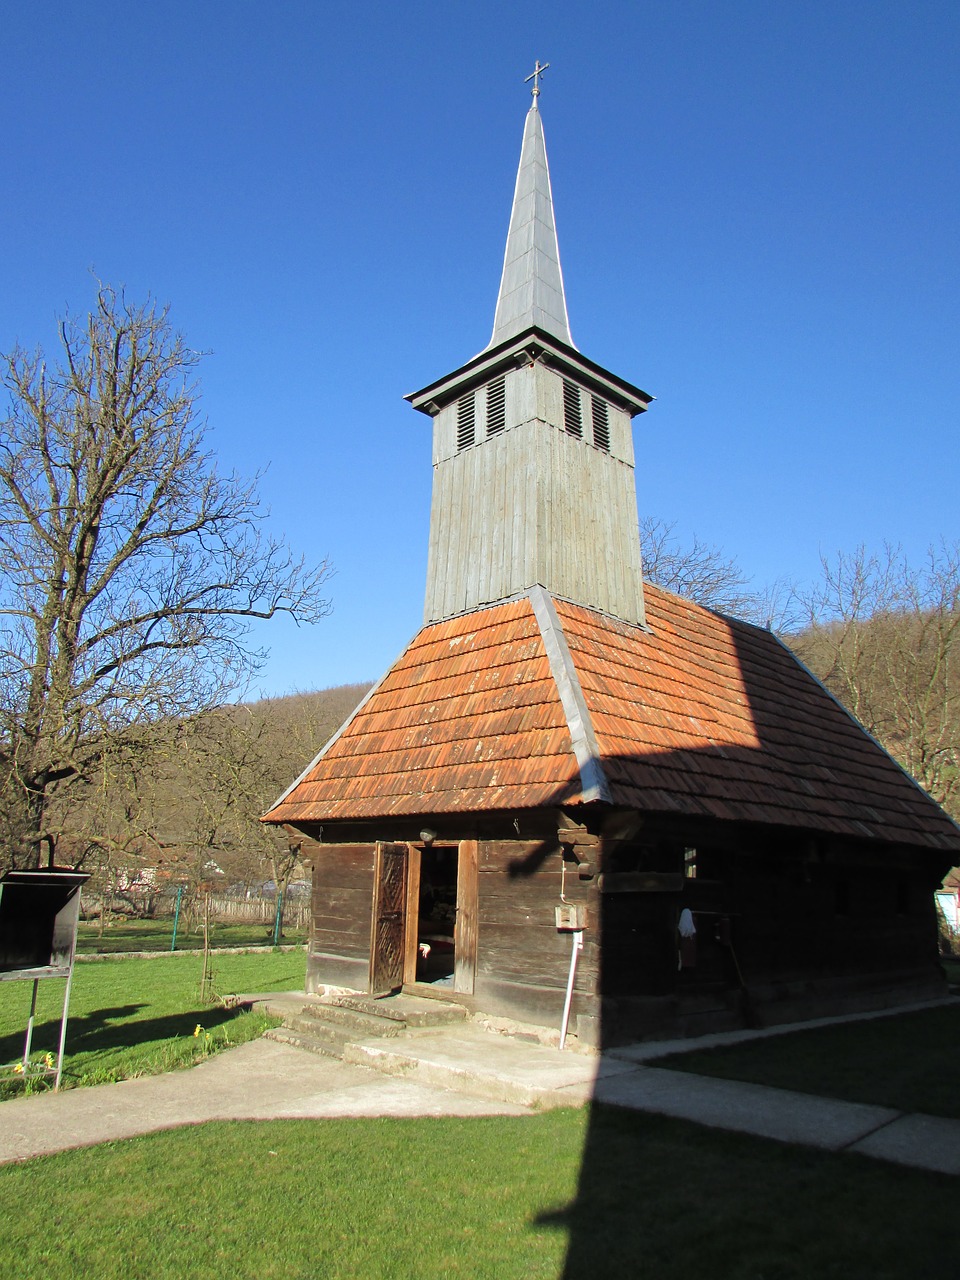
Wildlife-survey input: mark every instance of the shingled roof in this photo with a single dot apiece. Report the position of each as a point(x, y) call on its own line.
point(538, 702)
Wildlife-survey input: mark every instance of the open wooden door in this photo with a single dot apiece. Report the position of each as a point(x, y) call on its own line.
point(388, 935)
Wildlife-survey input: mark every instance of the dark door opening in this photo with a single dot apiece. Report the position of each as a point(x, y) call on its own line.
point(437, 915)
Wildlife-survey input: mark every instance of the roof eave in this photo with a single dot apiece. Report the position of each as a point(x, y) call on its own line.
point(532, 344)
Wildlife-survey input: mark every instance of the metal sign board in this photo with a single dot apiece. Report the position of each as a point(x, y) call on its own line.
point(39, 911)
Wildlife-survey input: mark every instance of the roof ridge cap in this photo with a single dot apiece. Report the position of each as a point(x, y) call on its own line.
point(583, 739)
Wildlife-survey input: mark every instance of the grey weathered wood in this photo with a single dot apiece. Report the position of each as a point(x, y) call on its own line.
point(533, 505)
point(341, 907)
point(412, 920)
point(465, 930)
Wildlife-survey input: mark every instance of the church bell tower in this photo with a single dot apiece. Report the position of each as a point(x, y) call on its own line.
point(532, 445)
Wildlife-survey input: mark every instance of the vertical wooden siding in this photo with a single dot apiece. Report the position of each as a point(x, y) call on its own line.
point(533, 505)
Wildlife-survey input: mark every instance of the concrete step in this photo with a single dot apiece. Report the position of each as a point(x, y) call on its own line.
point(329, 1025)
point(414, 1011)
point(354, 1023)
point(485, 1065)
point(302, 1040)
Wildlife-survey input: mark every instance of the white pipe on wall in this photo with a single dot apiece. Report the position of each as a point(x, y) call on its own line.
point(576, 938)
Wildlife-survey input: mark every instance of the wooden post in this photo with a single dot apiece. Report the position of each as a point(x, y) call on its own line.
point(465, 929)
point(413, 914)
point(206, 982)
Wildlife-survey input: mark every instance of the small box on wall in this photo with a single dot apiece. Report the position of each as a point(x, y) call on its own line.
point(570, 917)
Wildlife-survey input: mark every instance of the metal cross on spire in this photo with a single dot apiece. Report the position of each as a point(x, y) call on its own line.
point(537, 73)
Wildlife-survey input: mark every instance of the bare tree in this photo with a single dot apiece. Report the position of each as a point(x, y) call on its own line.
point(699, 572)
point(884, 636)
point(232, 764)
point(129, 567)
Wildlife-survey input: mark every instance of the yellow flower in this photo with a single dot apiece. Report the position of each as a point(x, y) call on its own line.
point(197, 1030)
point(18, 1069)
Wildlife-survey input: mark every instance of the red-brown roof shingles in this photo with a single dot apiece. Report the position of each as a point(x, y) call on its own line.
point(467, 718)
point(699, 715)
point(717, 718)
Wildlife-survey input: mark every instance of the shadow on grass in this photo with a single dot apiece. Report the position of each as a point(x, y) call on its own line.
point(116, 1028)
point(669, 1199)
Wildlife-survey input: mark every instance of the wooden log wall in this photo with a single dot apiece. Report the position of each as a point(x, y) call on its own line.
point(802, 922)
point(825, 923)
point(816, 926)
point(639, 944)
point(523, 959)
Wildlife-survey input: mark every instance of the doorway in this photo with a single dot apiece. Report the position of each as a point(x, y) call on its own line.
point(437, 915)
point(441, 917)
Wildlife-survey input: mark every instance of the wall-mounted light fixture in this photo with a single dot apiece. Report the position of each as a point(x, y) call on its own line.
point(428, 836)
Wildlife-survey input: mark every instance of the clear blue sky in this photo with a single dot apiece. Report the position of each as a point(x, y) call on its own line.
point(757, 206)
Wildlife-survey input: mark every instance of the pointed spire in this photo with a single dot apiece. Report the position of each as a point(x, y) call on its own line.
point(531, 287)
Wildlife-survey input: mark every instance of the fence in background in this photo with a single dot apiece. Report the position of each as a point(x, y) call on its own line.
point(224, 908)
point(296, 915)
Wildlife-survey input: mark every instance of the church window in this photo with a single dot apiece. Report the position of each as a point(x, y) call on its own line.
point(496, 406)
point(466, 421)
point(572, 414)
point(601, 424)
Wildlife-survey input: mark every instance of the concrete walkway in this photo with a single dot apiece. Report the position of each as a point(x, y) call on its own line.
point(260, 1080)
point(460, 1070)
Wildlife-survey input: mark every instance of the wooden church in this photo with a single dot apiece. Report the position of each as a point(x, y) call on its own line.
point(572, 777)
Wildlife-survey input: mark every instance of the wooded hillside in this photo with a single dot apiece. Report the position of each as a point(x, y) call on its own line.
point(884, 637)
point(183, 801)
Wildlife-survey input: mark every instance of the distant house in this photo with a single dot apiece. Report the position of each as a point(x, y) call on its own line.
point(948, 903)
point(565, 755)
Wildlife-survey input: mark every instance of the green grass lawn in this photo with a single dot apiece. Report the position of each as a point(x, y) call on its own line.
point(156, 935)
point(907, 1061)
point(137, 1017)
point(594, 1193)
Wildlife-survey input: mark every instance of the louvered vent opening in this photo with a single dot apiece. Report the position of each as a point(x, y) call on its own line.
point(466, 421)
point(601, 424)
point(572, 417)
point(496, 406)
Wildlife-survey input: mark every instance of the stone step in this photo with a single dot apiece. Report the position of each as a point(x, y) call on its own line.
point(414, 1011)
point(353, 1022)
point(382, 1008)
point(313, 1043)
point(330, 1024)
